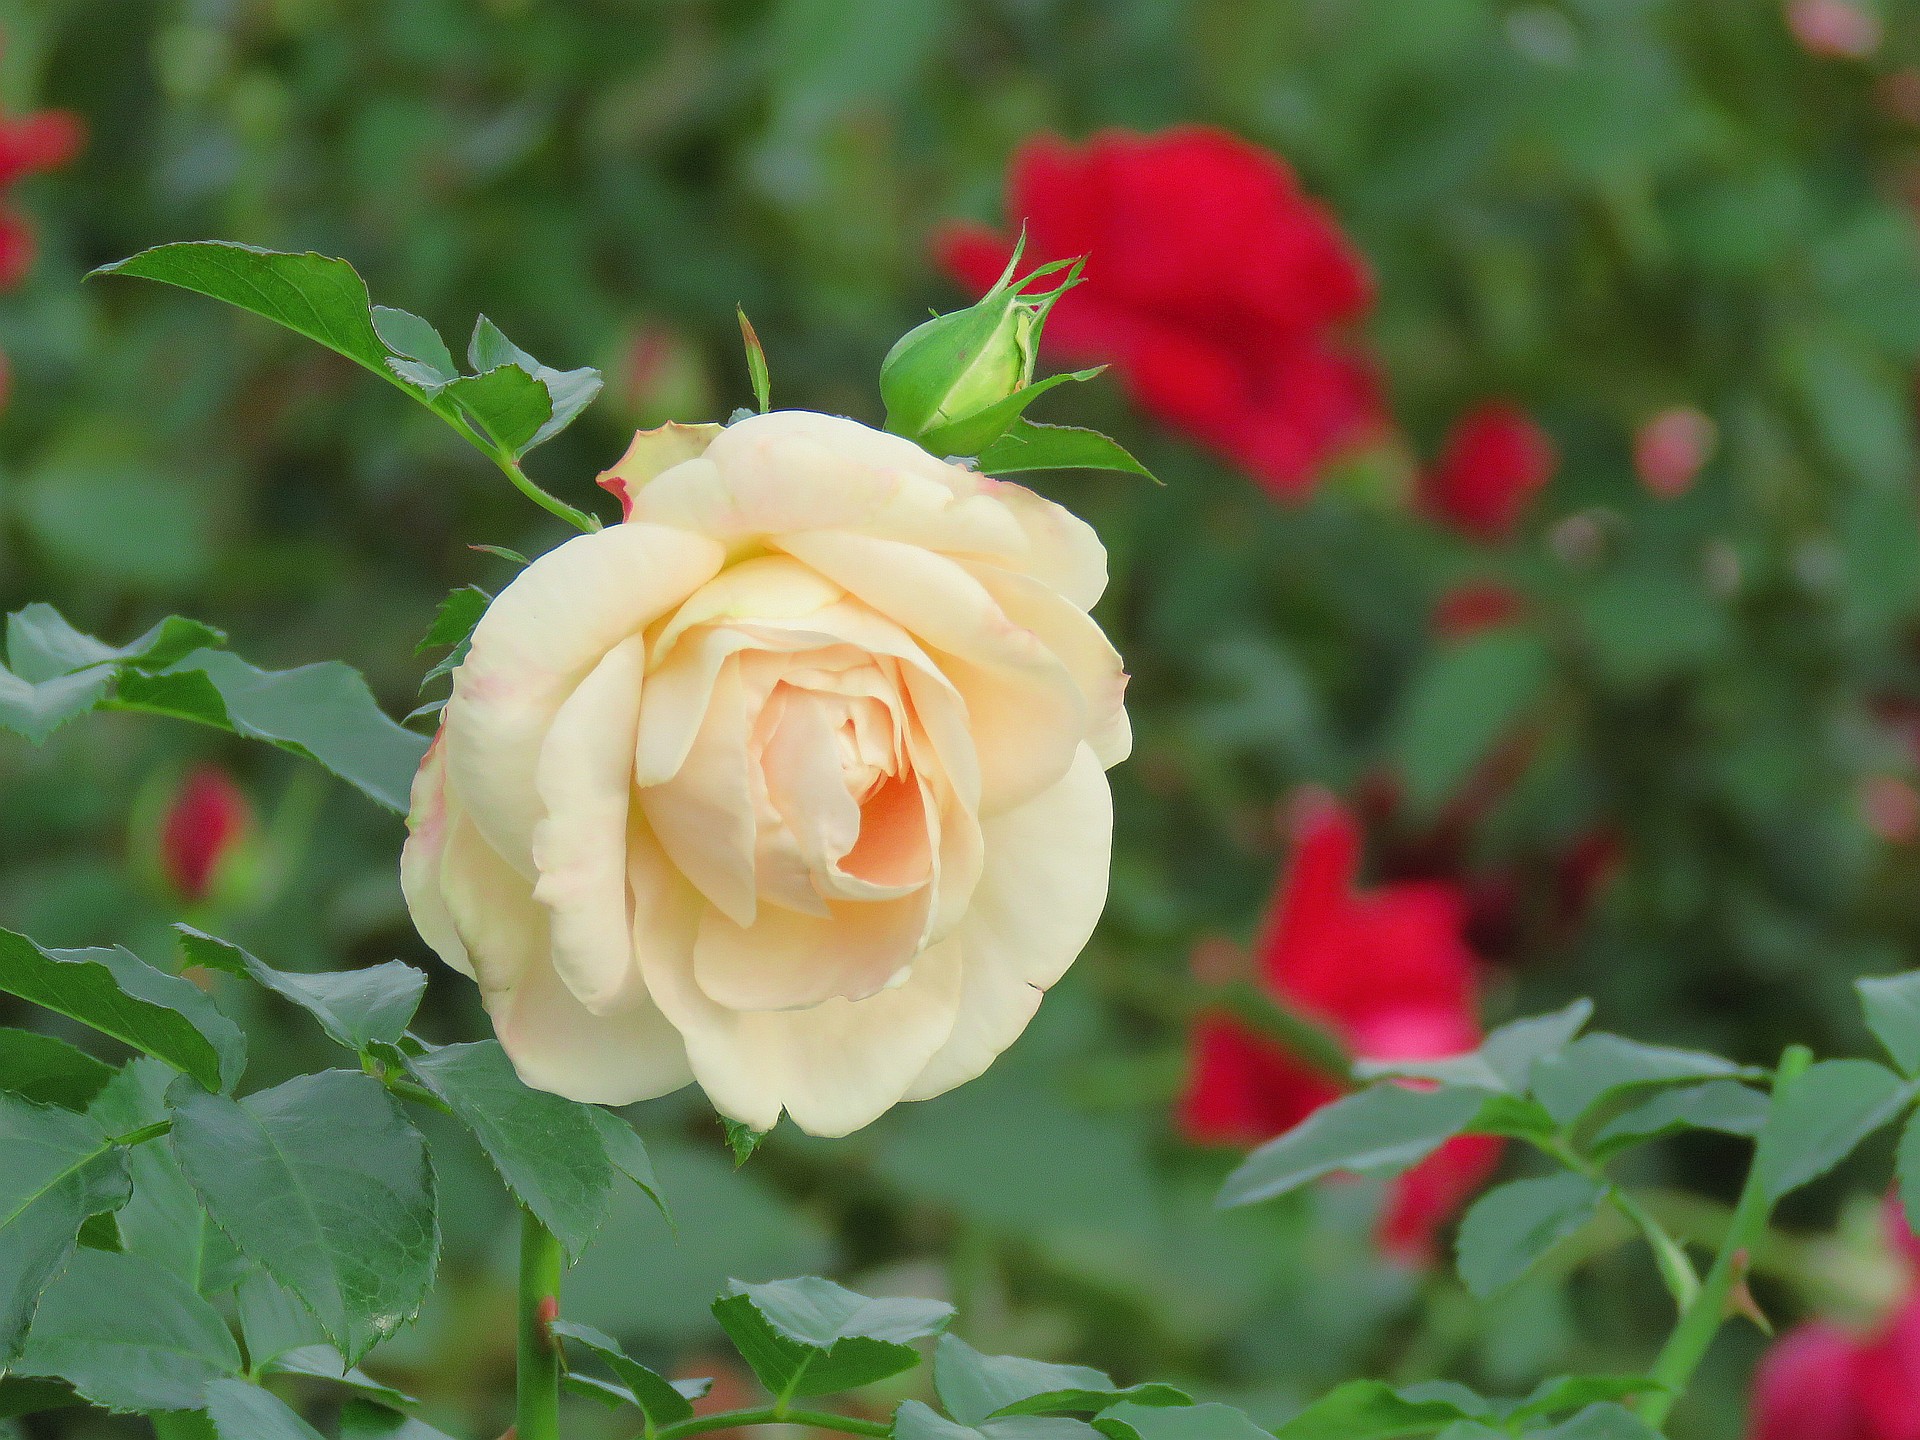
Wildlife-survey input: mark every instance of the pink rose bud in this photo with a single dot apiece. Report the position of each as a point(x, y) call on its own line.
point(1670, 448)
point(44, 140)
point(207, 819)
point(1836, 28)
point(1890, 808)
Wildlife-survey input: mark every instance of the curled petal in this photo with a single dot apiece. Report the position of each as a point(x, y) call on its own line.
point(1026, 714)
point(704, 816)
point(585, 780)
point(652, 452)
point(536, 642)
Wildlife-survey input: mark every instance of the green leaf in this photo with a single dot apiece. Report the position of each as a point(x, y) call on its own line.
point(1725, 1106)
point(315, 296)
point(119, 994)
point(49, 1071)
point(756, 362)
point(128, 1336)
point(1385, 1128)
point(453, 622)
point(240, 1411)
point(1892, 1004)
point(164, 1221)
point(1821, 1117)
point(1599, 1422)
point(409, 336)
point(37, 710)
point(663, 1401)
point(56, 1170)
point(323, 1362)
point(1514, 1225)
point(363, 1420)
point(553, 1153)
point(915, 1421)
point(975, 1387)
point(811, 1337)
point(1028, 446)
point(971, 434)
point(1467, 697)
point(323, 712)
point(1597, 1067)
point(1572, 1392)
point(42, 644)
point(1505, 1060)
point(507, 405)
point(1906, 1169)
point(1374, 1410)
point(1133, 1421)
point(357, 1008)
point(323, 1182)
point(743, 1140)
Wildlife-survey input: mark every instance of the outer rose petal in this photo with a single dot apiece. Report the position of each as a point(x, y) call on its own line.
point(429, 820)
point(616, 1058)
point(1039, 897)
point(792, 470)
point(650, 453)
point(585, 780)
point(833, 1068)
point(535, 643)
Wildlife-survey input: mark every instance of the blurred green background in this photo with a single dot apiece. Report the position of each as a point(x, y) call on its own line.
point(1600, 208)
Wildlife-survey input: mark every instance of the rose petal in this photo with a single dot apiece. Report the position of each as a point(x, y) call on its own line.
point(1026, 715)
point(787, 961)
point(585, 779)
point(428, 823)
point(535, 643)
point(652, 452)
point(770, 475)
point(1039, 897)
point(704, 815)
point(1082, 646)
point(834, 1068)
point(616, 1058)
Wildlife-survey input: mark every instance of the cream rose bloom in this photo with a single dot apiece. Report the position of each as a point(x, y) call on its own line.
point(793, 784)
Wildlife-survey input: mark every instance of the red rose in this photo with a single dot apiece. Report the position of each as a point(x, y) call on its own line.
point(208, 817)
point(1493, 463)
point(1213, 286)
point(1389, 970)
point(43, 140)
point(1805, 1388)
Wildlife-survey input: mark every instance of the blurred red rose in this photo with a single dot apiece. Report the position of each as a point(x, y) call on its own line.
point(1494, 461)
point(208, 816)
point(1670, 448)
point(1473, 606)
point(42, 140)
point(1214, 286)
point(1387, 968)
point(1823, 1382)
point(1837, 28)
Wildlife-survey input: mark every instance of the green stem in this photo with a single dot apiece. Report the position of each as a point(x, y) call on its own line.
point(537, 1381)
point(770, 1415)
point(1305, 1037)
point(553, 504)
point(143, 1134)
point(1701, 1320)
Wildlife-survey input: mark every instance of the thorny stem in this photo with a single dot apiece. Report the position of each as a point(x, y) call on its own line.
point(537, 1380)
point(1701, 1321)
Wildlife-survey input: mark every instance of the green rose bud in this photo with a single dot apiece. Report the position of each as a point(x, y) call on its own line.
point(959, 382)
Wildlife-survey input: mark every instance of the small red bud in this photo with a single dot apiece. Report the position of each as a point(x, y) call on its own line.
point(1670, 448)
point(208, 817)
